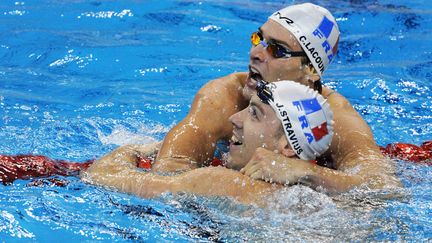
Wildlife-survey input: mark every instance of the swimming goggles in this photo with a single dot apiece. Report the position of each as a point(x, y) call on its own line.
point(277, 50)
point(263, 91)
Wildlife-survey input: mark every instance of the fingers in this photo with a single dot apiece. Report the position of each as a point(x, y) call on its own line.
point(256, 159)
point(261, 174)
point(253, 168)
point(262, 166)
point(258, 172)
point(248, 166)
point(257, 175)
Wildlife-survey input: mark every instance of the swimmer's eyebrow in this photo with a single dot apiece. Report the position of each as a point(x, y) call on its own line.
point(257, 105)
point(276, 40)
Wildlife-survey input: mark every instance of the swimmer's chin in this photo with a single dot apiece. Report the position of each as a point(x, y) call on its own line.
point(228, 160)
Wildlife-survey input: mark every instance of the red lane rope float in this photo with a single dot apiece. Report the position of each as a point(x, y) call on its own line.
point(14, 167)
point(144, 163)
point(427, 146)
point(409, 152)
point(216, 162)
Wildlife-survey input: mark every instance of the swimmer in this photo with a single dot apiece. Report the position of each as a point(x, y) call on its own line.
point(296, 43)
point(275, 120)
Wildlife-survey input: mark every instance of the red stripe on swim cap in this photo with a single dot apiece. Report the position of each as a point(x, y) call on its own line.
point(335, 47)
point(320, 131)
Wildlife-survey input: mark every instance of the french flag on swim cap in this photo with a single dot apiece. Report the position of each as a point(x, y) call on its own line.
point(306, 118)
point(313, 119)
point(330, 35)
point(315, 29)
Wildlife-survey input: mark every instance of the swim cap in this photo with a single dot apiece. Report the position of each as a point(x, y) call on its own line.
point(315, 29)
point(306, 118)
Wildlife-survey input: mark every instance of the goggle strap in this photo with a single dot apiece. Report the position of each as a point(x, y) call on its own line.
point(297, 54)
point(263, 92)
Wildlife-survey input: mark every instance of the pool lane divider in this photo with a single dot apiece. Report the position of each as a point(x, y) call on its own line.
point(13, 167)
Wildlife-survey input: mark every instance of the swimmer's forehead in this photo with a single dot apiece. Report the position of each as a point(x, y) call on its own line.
point(274, 31)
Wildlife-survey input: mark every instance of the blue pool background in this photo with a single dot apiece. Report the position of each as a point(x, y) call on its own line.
point(79, 78)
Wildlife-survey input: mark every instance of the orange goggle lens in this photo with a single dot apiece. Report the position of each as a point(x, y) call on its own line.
point(275, 49)
point(255, 38)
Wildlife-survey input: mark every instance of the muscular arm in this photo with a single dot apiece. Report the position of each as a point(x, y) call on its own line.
point(354, 150)
point(192, 142)
point(277, 168)
point(127, 156)
point(210, 181)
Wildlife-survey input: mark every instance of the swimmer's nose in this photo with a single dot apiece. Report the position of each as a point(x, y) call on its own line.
point(237, 120)
point(258, 54)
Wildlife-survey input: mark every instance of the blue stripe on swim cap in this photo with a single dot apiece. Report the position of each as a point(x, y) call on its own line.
point(326, 27)
point(308, 105)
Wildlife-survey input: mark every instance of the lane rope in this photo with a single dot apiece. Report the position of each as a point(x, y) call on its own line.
point(25, 167)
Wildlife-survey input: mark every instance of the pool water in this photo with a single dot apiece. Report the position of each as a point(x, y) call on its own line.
point(79, 78)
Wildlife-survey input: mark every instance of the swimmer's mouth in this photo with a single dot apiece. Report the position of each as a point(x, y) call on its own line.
point(235, 141)
point(255, 74)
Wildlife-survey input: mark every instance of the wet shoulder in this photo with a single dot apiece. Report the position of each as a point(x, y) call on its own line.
point(224, 90)
point(336, 100)
point(231, 82)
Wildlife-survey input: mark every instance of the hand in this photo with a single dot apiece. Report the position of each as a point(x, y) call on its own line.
point(145, 154)
point(276, 168)
point(119, 160)
point(147, 150)
point(103, 169)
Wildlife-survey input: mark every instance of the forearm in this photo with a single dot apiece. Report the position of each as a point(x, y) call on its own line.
point(130, 153)
point(293, 171)
point(374, 172)
point(174, 164)
point(131, 180)
point(220, 181)
point(354, 150)
point(278, 168)
point(209, 181)
point(332, 181)
point(119, 160)
point(372, 167)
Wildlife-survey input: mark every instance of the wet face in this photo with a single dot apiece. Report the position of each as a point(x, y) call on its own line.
point(263, 65)
point(256, 126)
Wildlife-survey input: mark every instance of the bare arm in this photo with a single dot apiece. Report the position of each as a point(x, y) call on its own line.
point(127, 155)
point(192, 142)
point(354, 149)
point(276, 168)
point(210, 181)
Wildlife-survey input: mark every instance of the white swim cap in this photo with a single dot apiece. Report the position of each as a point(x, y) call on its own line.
point(306, 118)
point(315, 29)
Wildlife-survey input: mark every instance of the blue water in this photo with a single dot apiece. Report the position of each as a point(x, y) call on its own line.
point(79, 78)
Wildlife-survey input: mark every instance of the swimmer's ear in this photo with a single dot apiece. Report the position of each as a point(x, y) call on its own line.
point(311, 69)
point(285, 148)
point(312, 78)
point(314, 81)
